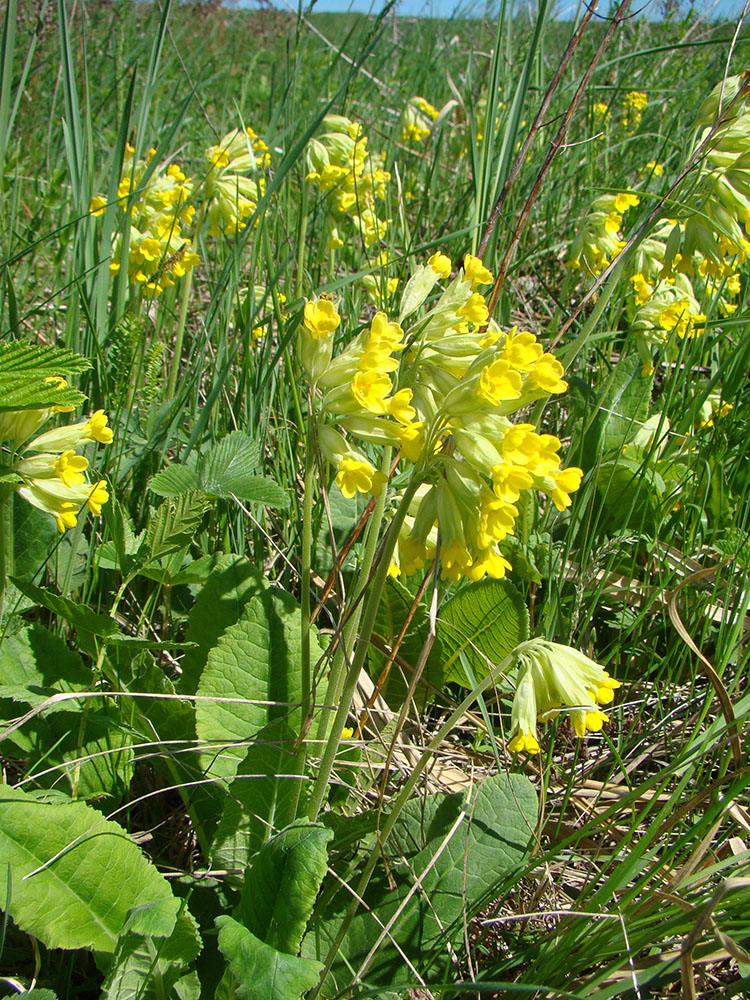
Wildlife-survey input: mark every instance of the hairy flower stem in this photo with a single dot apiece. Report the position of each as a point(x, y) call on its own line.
point(375, 593)
point(401, 800)
point(349, 630)
point(182, 318)
point(306, 672)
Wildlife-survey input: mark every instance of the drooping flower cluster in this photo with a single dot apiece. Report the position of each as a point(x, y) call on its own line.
point(689, 268)
point(48, 471)
point(417, 120)
point(157, 201)
point(444, 395)
point(230, 195)
point(551, 678)
point(352, 180)
point(599, 239)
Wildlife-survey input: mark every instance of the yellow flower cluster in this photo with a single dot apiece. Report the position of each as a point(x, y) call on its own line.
point(690, 266)
point(158, 200)
point(230, 195)
point(633, 106)
point(351, 179)
point(599, 239)
point(444, 396)
point(551, 678)
point(50, 474)
point(417, 120)
point(157, 203)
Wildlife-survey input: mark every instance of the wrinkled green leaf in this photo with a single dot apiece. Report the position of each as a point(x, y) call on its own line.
point(256, 661)
point(484, 621)
point(231, 583)
point(173, 480)
point(89, 874)
point(260, 971)
point(172, 526)
point(282, 883)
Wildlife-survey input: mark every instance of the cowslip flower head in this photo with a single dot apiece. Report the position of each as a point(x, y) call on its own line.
point(553, 677)
point(51, 476)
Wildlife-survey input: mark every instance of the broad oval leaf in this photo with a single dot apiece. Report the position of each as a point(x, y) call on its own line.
point(87, 873)
point(256, 664)
point(173, 480)
point(483, 622)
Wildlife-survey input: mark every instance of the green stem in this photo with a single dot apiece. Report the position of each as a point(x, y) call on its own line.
point(376, 588)
point(401, 800)
point(4, 507)
point(349, 631)
point(301, 242)
point(305, 606)
point(182, 318)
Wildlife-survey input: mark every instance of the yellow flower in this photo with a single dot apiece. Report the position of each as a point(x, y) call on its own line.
point(70, 468)
point(475, 271)
point(97, 205)
point(521, 350)
point(370, 389)
point(321, 318)
point(508, 481)
point(358, 476)
point(440, 264)
point(498, 382)
point(566, 481)
point(546, 375)
point(475, 310)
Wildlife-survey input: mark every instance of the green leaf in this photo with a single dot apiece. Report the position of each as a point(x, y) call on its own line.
point(233, 456)
point(484, 621)
point(37, 664)
point(231, 583)
point(282, 884)
point(470, 842)
point(173, 480)
point(259, 799)
point(25, 369)
point(87, 873)
point(262, 972)
point(149, 968)
point(172, 526)
point(256, 662)
point(78, 615)
point(623, 405)
point(34, 534)
point(227, 470)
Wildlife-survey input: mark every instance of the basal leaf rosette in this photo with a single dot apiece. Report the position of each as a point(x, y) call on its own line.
point(443, 392)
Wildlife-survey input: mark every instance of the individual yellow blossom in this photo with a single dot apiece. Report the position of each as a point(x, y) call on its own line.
point(508, 481)
point(655, 168)
point(70, 468)
point(455, 560)
point(370, 389)
point(399, 406)
point(521, 350)
point(475, 271)
point(97, 205)
point(496, 520)
point(498, 382)
point(440, 264)
point(643, 290)
point(321, 318)
point(566, 482)
point(488, 563)
point(358, 476)
point(546, 374)
point(625, 200)
point(475, 310)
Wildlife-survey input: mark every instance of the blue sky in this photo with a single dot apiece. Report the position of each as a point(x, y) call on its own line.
point(445, 8)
